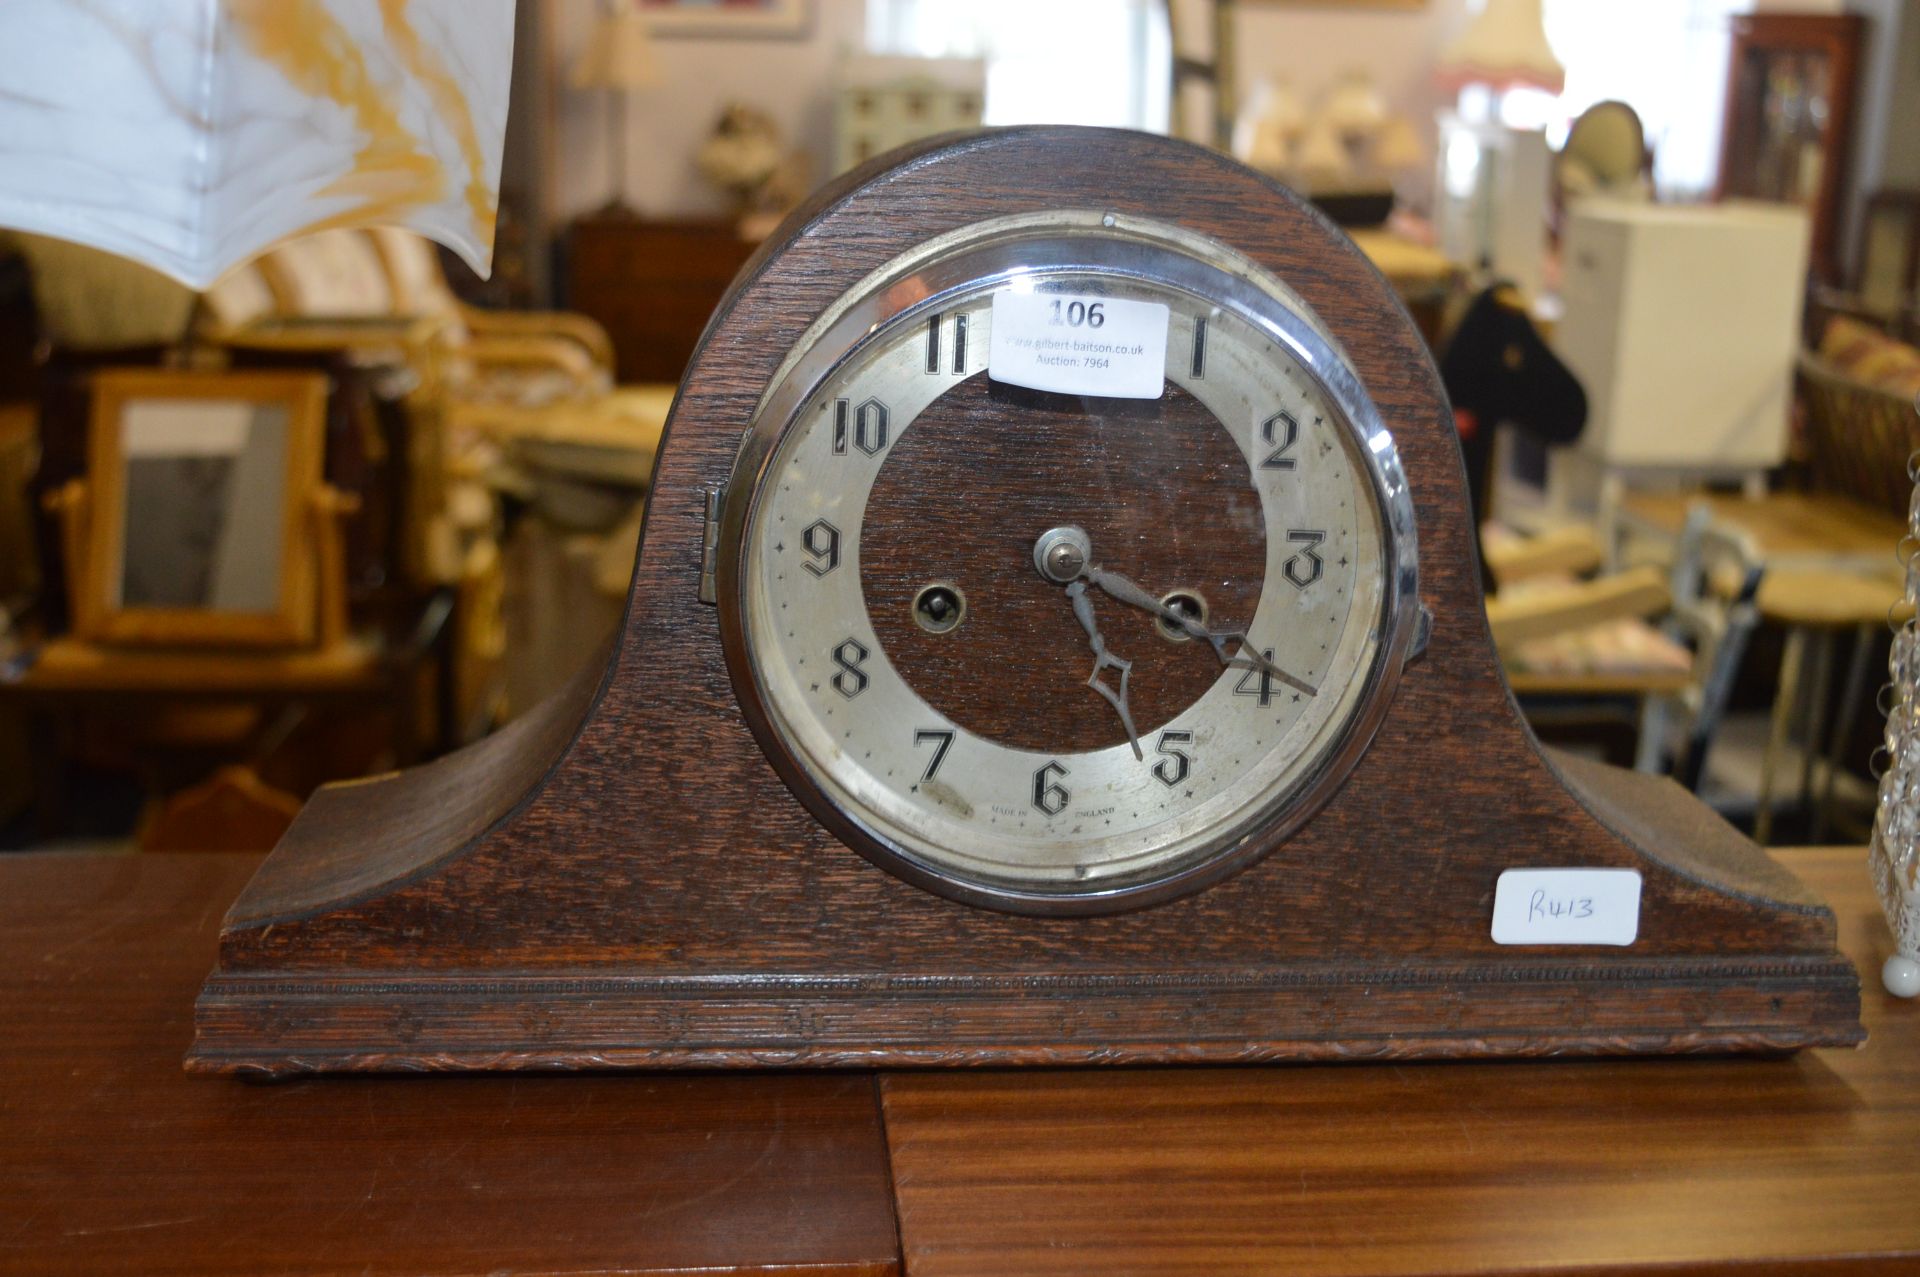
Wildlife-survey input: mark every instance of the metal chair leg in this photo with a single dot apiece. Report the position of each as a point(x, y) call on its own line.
point(1785, 698)
point(1848, 714)
point(1814, 719)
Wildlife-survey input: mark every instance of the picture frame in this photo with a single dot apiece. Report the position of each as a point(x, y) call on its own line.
point(197, 524)
point(1887, 269)
point(731, 19)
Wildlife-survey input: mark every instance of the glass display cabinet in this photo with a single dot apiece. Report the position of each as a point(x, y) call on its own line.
point(1790, 93)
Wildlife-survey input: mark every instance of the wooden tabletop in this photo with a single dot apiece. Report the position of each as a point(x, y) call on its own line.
point(114, 1161)
point(1796, 1165)
point(1812, 530)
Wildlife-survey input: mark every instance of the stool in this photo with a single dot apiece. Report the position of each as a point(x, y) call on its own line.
point(1815, 607)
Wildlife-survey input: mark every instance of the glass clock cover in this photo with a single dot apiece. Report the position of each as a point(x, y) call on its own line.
point(1067, 652)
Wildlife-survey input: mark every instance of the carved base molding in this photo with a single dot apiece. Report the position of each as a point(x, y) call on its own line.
point(279, 1026)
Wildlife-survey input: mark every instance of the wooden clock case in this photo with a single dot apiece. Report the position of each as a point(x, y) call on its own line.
point(620, 879)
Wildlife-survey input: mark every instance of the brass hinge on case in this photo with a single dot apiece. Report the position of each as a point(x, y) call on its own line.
point(710, 547)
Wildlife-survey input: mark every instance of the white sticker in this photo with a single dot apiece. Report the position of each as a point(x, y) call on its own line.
point(1079, 345)
point(1567, 906)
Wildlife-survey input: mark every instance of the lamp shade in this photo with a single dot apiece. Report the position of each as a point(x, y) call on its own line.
point(1353, 107)
point(1321, 154)
point(1504, 47)
point(619, 56)
point(191, 135)
point(1397, 146)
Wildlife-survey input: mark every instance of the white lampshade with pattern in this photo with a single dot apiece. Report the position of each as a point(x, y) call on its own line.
point(191, 135)
point(1504, 47)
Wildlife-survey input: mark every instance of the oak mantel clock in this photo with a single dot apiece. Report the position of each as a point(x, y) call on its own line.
point(1056, 638)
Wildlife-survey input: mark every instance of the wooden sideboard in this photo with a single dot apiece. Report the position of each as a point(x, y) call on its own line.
point(113, 1160)
point(651, 285)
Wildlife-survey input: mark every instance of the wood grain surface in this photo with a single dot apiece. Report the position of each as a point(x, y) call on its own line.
point(1157, 484)
point(112, 1160)
point(657, 896)
point(1764, 1168)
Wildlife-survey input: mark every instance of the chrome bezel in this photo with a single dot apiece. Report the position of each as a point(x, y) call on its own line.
point(995, 253)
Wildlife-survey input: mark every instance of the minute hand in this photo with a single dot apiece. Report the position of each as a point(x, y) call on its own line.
point(1245, 658)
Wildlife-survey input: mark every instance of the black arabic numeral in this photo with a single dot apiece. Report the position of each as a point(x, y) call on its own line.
point(945, 743)
point(1175, 764)
point(1304, 574)
point(870, 427)
point(869, 431)
point(1049, 795)
point(934, 324)
point(849, 656)
point(1280, 432)
point(821, 540)
point(1262, 689)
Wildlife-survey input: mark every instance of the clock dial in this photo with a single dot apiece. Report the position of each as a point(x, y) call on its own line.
point(1068, 652)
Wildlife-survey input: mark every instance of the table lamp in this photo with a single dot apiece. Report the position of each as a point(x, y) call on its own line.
point(618, 58)
point(192, 135)
point(1490, 207)
point(1504, 47)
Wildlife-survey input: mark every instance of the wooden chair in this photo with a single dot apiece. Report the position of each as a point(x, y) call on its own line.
point(420, 287)
point(383, 293)
point(1672, 638)
point(1519, 616)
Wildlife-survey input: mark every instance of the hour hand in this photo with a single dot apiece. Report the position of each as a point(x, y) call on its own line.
point(1104, 660)
point(1245, 655)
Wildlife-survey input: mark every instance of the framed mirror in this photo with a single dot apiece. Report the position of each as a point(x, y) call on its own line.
point(1888, 278)
point(201, 493)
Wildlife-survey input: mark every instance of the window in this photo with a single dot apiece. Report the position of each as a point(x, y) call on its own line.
point(1667, 59)
point(1048, 61)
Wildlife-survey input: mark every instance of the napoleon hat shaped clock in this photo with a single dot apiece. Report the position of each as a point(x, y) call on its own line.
point(1056, 638)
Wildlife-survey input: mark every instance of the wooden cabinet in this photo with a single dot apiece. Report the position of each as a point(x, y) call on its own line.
point(1789, 118)
point(652, 285)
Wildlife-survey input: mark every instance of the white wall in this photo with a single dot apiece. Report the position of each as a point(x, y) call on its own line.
point(1308, 48)
point(1886, 150)
point(790, 78)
